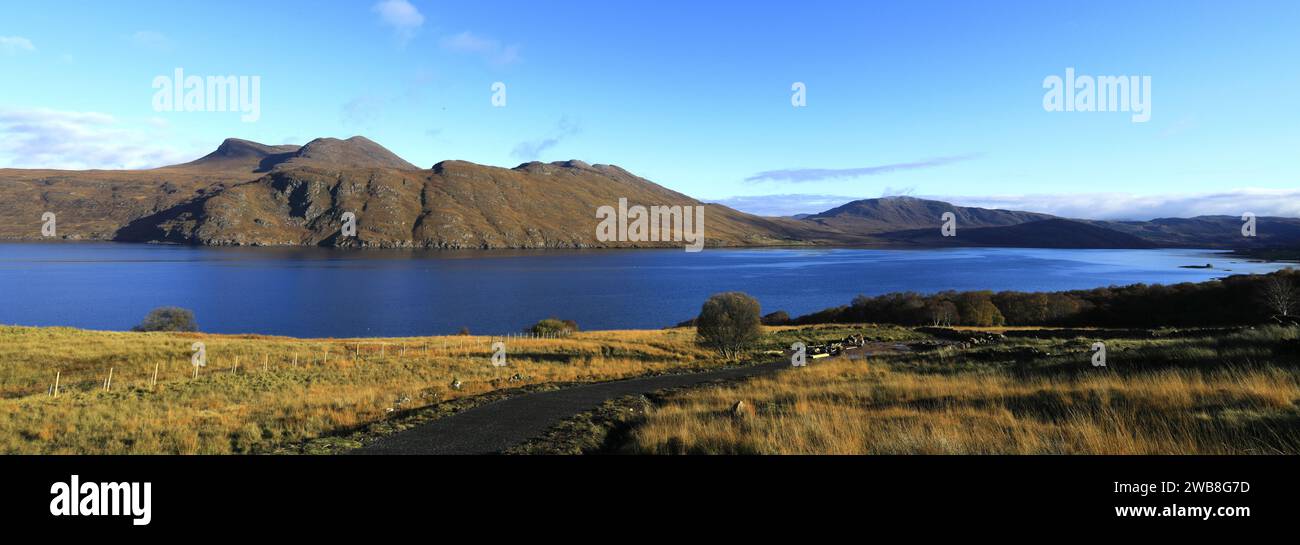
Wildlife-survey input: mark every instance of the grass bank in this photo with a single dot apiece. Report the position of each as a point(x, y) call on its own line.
point(259, 394)
point(1225, 394)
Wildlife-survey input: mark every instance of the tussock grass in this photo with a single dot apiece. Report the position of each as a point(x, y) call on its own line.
point(267, 401)
point(1230, 395)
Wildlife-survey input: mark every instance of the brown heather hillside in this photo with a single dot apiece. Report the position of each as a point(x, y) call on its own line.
point(900, 213)
point(246, 193)
point(453, 205)
point(96, 204)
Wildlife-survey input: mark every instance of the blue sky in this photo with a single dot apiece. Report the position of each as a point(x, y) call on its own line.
point(930, 98)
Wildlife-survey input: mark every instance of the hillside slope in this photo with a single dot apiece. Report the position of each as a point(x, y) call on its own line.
point(900, 213)
point(455, 204)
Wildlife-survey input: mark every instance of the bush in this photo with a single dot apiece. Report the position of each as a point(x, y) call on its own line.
point(729, 323)
point(553, 327)
point(168, 319)
point(779, 317)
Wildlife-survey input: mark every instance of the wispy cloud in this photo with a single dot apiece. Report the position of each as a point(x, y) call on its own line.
point(491, 50)
point(1098, 206)
point(151, 39)
point(800, 175)
point(45, 138)
point(367, 108)
point(784, 205)
point(13, 45)
point(532, 149)
point(362, 110)
point(403, 17)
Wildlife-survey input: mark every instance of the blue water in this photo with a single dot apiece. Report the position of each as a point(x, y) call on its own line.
point(313, 292)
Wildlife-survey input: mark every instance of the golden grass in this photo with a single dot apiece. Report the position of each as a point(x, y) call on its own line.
point(842, 407)
point(268, 401)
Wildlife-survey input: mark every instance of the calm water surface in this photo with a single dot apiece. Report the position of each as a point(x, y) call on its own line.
point(311, 292)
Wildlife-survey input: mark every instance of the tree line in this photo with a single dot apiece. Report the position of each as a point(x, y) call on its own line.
point(1234, 300)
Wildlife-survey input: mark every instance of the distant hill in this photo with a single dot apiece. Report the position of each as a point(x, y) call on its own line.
point(235, 155)
point(1211, 231)
point(1050, 233)
point(900, 213)
point(247, 193)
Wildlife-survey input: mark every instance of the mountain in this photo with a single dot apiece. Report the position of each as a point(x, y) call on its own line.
point(900, 213)
point(96, 204)
point(1211, 231)
point(235, 155)
point(247, 193)
point(456, 204)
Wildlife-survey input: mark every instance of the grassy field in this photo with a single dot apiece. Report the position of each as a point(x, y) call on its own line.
point(1227, 394)
point(1221, 393)
point(259, 394)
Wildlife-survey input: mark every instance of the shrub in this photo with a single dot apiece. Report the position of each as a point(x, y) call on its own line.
point(553, 327)
point(779, 317)
point(168, 319)
point(729, 323)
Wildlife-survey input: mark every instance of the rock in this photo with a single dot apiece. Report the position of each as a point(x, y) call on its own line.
point(455, 384)
point(742, 410)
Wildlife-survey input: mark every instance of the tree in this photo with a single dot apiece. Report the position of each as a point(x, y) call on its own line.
point(942, 312)
point(729, 323)
point(168, 319)
point(977, 309)
point(1280, 295)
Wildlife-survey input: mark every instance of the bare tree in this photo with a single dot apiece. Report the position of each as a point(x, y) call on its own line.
point(1280, 295)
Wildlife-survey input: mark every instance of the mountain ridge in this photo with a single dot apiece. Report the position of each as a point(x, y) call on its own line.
point(248, 193)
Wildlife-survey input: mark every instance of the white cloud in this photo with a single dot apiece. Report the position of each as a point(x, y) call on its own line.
point(13, 45)
point(45, 138)
point(1100, 206)
point(404, 18)
point(489, 49)
point(1127, 206)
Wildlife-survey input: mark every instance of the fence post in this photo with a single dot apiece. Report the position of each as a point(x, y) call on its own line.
point(56, 382)
point(108, 383)
point(153, 383)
